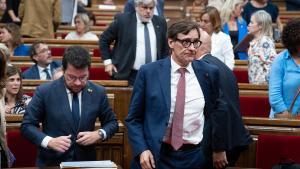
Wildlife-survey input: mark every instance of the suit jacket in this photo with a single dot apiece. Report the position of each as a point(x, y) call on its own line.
point(33, 72)
point(33, 25)
point(50, 106)
point(149, 110)
point(130, 7)
point(236, 134)
point(123, 32)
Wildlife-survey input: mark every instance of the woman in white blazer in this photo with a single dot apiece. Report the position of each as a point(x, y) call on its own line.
point(210, 21)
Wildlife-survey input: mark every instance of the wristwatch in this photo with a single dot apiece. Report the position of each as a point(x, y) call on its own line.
point(101, 134)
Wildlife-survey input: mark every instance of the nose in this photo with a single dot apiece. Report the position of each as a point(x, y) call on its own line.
point(77, 82)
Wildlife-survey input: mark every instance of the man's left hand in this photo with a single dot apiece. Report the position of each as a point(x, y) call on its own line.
point(87, 137)
point(220, 159)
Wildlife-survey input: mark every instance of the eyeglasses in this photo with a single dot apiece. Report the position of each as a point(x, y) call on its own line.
point(43, 50)
point(74, 78)
point(187, 42)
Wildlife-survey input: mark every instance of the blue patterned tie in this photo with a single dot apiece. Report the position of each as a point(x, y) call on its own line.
point(75, 109)
point(48, 77)
point(148, 58)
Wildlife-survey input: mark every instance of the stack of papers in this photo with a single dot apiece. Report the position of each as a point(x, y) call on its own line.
point(106, 164)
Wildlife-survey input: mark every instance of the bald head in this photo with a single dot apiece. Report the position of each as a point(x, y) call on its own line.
point(206, 44)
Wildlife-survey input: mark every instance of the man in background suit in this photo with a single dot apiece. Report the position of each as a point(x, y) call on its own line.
point(138, 38)
point(159, 8)
point(44, 66)
point(237, 137)
point(169, 116)
point(68, 109)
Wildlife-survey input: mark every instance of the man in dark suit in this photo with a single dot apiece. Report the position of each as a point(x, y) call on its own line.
point(237, 137)
point(173, 105)
point(159, 8)
point(44, 66)
point(138, 38)
point(68, 109)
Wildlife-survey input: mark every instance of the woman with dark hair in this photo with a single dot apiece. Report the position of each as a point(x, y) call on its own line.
point(221, 46)
point(11, 36)
point(285, 74)
point(11, 12)
point(5, 154)
point(15, 100)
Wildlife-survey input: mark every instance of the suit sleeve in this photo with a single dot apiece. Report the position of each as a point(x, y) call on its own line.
point(218, 116)
point(135, 118)
point(107, 38)
point(107, 117)
point(21, 9)
point(129, 6)
point(34, 114)
point(56, 12)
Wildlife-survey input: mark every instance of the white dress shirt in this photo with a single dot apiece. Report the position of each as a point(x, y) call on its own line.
point(140, 44)
point(221, 47)
point(43, 75)
point(193, 121)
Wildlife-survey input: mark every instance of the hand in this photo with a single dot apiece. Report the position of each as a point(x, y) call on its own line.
point(147, 160)
point(88, 137)
point(7, 110)
point(17, 19)
point(220, 159)
point(110, 69)
point(60, 144)
point(284, 115)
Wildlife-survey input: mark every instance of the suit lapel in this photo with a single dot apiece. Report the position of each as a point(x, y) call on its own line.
point(65, 105)
point(36, 72)
point(157, 30)
point(203, 78)
point(164, 74)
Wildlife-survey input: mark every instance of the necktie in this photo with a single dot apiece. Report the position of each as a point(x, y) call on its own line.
point(48, 77)
point(177, 124)
point(75, 109)
point(148, 58)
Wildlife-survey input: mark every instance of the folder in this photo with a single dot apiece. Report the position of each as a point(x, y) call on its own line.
point(244, 44)
point(105, 164)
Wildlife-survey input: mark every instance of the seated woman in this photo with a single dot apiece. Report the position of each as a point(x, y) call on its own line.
point(15, 100)
point(221, 46)
point(82, 29)
point(10, 35)
point(262, 51)
point(234, 25)
point(285, 74)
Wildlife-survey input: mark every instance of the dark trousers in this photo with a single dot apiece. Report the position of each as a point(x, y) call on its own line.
point(132, 77)
point(183, 159)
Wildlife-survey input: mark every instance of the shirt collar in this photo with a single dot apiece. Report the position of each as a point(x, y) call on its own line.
point(175, 67)
point(41, 69)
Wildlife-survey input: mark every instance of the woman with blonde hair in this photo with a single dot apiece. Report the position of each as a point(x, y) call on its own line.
point(262, 48)
point(233, 24)
point(210, 22)
point(82, 29)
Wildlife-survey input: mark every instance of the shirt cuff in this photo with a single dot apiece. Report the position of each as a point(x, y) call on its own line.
point(46, 141)
point(104, 134)
point(107, 62)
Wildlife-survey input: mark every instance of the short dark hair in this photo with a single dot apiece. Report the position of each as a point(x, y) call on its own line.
point(33, 48)
point(183, 27)
point(10, 71)
point(77, 56)
point(291, 36)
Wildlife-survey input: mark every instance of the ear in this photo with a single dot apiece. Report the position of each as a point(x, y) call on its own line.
point(171, 43)
point(35, 57)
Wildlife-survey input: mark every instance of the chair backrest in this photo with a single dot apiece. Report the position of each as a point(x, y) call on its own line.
point(24, 151)
point(241, 75)
point(255, 106)
point(57, 51)
point(98, 73)
point(272, 149)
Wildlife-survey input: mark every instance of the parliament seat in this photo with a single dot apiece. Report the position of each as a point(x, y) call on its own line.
point(98, 73)
point(272, 149)
point(24, 151)
point(57, 51)
point(254, 106)
point(241, 75)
